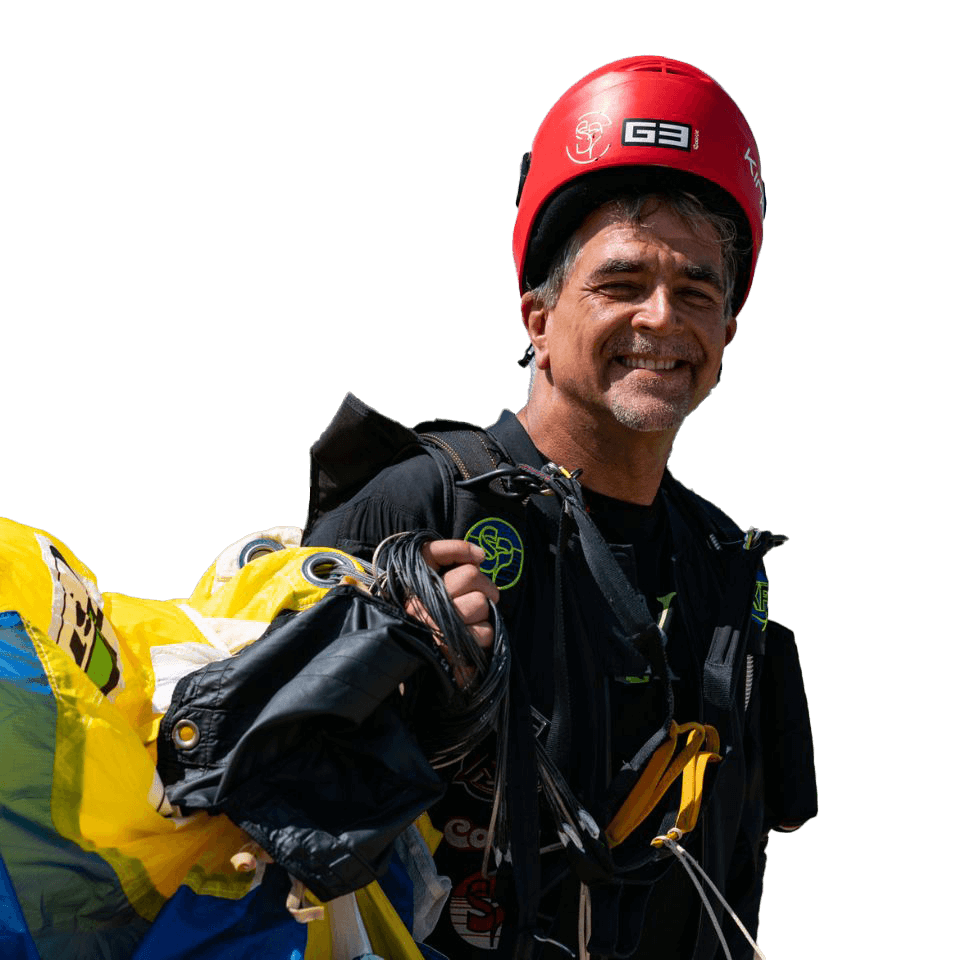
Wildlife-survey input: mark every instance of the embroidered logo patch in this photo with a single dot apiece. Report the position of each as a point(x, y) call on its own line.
point(759, 613)
point(504, 549)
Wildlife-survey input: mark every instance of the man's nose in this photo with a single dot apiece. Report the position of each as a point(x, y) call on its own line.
point(657, 311)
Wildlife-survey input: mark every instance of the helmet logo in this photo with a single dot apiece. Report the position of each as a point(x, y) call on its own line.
point(589, 132)
point(642, 132)
point(757, 181)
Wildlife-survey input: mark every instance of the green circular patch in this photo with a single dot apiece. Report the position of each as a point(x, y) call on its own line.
point(504, 550)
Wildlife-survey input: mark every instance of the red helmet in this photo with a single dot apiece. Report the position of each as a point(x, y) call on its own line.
point(647, 122)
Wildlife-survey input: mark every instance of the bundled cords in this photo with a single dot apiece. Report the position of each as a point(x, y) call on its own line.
point(401, 575)
point(483, 704)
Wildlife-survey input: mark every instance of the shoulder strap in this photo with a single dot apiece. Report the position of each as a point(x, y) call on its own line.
point(463, 452)
point(474, 451)
point(724, 662)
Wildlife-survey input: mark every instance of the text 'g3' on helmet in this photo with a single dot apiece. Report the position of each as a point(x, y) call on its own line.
point(647, 123)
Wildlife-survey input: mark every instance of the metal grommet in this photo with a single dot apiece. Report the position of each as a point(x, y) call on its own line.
point(258, 548)
point(325, 569)
point(186, 734)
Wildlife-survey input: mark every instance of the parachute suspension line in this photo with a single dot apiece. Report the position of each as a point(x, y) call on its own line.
point(689, 863)
point(402, 575)
point(497, 828)
point(479, 679)
point(584, 923)
point(540, 938)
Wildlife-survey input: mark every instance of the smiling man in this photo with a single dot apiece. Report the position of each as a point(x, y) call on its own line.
point(631, 343)
point(639, 223)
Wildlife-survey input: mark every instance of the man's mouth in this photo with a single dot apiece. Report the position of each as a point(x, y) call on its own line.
point(645, 363)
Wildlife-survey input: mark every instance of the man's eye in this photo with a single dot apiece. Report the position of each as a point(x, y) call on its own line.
point(705, 297)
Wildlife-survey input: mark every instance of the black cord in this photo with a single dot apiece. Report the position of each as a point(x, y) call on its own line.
point(459, 725)
point(403, 575)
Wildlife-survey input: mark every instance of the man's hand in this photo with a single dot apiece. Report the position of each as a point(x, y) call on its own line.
point(471, 591)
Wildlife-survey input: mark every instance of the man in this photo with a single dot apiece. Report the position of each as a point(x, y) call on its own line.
point(639, 224)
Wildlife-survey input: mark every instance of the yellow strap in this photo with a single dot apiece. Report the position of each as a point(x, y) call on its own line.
point(428, 831)
point(632, 811)
point(661, 772)
point(384, 929)
point(693, 775)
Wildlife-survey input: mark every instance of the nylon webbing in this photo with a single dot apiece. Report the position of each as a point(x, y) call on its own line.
point(665, 766)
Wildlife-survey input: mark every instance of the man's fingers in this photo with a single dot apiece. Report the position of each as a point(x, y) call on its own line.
point(473, 607)
point(470, 590)
point(468, 578)
point(450, 553)
point(483, 634)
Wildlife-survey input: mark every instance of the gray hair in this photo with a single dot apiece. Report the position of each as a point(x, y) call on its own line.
point(632, 208)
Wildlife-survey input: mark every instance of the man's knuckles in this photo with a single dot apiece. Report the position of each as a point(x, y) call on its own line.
point(473, 607)
point(468, 578)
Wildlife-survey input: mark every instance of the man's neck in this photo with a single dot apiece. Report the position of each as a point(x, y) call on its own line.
point(616, 461)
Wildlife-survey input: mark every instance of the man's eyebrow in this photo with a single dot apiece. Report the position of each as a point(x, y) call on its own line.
point(698, 272)
point(616, 265)
point(701, 273)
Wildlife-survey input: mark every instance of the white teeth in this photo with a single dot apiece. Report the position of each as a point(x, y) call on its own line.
point(640, 363)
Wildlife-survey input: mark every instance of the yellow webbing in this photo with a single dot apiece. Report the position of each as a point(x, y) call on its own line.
point(663, 768)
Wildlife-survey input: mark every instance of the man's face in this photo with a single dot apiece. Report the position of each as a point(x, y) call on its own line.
point(638, 331)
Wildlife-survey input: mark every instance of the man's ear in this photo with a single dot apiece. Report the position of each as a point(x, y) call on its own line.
point(535, 321)
point(731, 330)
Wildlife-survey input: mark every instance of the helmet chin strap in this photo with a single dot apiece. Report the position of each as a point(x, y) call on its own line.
point(524, 170)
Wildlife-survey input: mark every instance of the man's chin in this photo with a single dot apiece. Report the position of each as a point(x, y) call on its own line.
point(649, 418)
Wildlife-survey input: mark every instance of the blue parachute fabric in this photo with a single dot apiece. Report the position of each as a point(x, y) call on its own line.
point(255, 927)
point(398, 887)
point(15, 940)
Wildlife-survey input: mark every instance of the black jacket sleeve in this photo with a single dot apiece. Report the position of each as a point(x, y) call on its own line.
point(790, 783)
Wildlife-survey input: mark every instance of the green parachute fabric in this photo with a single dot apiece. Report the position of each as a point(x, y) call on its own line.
point(94, 860)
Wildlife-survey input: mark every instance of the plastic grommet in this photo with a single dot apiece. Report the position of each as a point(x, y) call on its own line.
point(186, 734)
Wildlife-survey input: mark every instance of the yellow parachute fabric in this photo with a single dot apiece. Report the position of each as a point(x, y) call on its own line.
point(111, 663)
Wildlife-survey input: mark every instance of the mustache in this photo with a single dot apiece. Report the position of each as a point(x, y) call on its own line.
point(655, 348)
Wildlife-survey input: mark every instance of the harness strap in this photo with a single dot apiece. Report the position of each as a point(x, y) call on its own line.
point(467, 448)
point(464, 453)
point(662, 770)
point(560, 736)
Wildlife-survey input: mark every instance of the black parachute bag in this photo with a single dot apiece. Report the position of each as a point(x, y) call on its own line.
point(304, 740)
